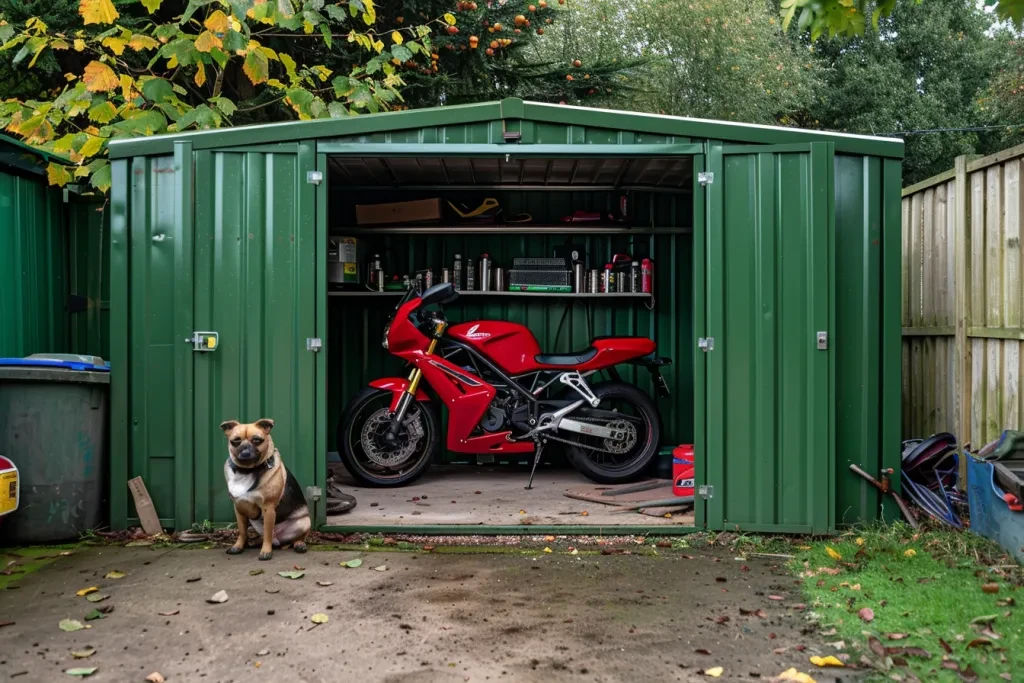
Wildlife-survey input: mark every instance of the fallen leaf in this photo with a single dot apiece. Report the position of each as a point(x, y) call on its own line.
point(427, 548)
point(522, 512)
point(753, 613)
point(803, 547)
point(272, 590)
point(352, 564)
point(776, 597)
point(218, 597)
point(298, 568)
point(155, 677)
point(193, 579)
point(1006, 602)
point(714, 672)
point(169, 614)
point(83, 654)
point(826, 661)
point(115, 574)
point(833, 554)
point(1006, 677)
point(549, 539)
point(951, 665)
point(96, 597)
point(779, 650)
point(702, 651)
point(263, 653)
point(319, 618)
point(93, 615)
point(876, 646)
point(294, 574)
point(255, 572)
point(945, 646)
point(979, 642)
point(82, 672)
point(547, 550)
point(968, 674)
point(584, 514)
point(990, 588)
point(721, 620)
point(794, 676)
point(381, 568)
point(859, 541)
point(909, 652)
point(986, 619)
point(6, 623)
point(86, 591)
point(909, 552)
point(720, 579)
point(325, 583)
point(897, 636)
point(70, 625)
point(866, 614)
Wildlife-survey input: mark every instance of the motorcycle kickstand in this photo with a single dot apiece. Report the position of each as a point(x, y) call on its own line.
point(536, 460)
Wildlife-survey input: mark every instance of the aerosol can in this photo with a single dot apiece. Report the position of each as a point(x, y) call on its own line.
point(608, 279)
point(647, 276)
point(457, 272)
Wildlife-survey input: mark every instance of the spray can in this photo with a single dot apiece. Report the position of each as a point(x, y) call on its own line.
point(647, 276)
point(608, 279)
point(594, 281)
point(634, 276)
point(470, 275)
point(620, 280)
point(428, 278)
point(578, 281)
point(446, 275)
point(373, 266)
point(457, 272)
point(378, 279)
point(499, 279)
point(406, 282)
point(485, 273)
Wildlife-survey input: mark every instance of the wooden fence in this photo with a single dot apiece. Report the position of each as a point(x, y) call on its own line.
point(963, 300)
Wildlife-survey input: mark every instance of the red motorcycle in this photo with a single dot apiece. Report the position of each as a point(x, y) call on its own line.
point(503, 397)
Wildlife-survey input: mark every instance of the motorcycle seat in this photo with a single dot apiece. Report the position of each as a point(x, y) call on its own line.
point(578, 357)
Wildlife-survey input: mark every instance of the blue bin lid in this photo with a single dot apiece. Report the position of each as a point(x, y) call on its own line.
point(60, 361)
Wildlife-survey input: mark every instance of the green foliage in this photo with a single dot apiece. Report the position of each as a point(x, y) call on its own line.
point(924, 68)
point(726, 59)
point(1003, 100)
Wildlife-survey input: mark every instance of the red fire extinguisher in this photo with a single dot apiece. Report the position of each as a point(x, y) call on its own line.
point(647, 276)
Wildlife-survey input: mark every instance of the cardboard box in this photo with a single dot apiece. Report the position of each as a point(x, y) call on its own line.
point(394, 213)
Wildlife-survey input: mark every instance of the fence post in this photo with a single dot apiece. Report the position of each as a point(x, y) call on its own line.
point(962, 349)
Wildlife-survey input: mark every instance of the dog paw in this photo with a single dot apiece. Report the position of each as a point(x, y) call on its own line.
point(299, 547)
point(234, 550)
point(267, 555)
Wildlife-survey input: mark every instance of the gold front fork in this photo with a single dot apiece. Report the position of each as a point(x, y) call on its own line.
point(416, 374)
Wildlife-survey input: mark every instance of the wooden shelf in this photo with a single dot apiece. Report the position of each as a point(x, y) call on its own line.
point(515, 228)
point(476, 293)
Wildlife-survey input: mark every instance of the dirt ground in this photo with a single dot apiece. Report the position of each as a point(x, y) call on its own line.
point(427, 617)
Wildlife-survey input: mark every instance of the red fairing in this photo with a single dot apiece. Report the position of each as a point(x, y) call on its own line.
point(512, 347)
point(397, 386)
point(614, 351)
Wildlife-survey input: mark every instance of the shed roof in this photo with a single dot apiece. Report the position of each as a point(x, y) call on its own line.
point(507, 110)
point(16, 155)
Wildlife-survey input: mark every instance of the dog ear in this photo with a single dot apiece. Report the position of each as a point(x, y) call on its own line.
point(228, 425)
point(266, 424)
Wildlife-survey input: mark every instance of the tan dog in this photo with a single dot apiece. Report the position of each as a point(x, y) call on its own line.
point(265, 494)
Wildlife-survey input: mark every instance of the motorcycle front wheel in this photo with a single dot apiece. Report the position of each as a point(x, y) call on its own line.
point(368, 457)
point(618, 462)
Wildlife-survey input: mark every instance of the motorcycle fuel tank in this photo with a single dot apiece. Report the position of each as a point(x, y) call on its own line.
point(510, 346)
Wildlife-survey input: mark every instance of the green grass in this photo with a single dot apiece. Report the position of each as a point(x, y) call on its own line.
point(927, 585)
point(26, 561)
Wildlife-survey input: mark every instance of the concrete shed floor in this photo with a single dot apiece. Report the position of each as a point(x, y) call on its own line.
point(490, 496)
point(426, 617)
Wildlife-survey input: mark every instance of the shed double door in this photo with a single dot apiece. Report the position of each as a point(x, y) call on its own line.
point(769, 293)
point(255, 286)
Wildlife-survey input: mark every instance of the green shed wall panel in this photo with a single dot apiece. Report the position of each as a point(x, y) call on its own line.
point(89, 275)
point(33, 260)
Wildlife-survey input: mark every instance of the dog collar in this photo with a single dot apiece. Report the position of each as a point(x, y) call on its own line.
point(269, 464)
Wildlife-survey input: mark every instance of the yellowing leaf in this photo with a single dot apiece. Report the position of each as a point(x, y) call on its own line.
point(217, 22)
point(200, 77)
point(826, 661)
point(99, 77)
point(91, 589)
point(256, 67)
point(548, 550)
point(79, 45)
point(140, 42)
point(97, 12)
point(83, 654)
point(833, 554)
point(859, 541)
point(307, 27)
point(103, 113)
point(67, 624)
point(116, 45)
point(794, 676)
point(379, 46)
point(127, 86)
point(449, 19)
point(59, 44)
point(91, 147)
point(319, 618)
point(910, 552)
point(396, 38)
point(207, 41)
point(115, 574)
point(151, 5)
point(714, 672)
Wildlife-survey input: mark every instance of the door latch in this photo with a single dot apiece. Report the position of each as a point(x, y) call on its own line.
point(204, 341)
point(706, 178)
point(314, 344)
point(822, 341)
point(706, 344)
point(314, 177)
point(706, 491)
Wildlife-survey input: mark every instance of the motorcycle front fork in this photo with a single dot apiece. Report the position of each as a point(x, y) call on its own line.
point(409, 395)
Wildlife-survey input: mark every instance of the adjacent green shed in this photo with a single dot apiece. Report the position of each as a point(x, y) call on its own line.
point(777, 289)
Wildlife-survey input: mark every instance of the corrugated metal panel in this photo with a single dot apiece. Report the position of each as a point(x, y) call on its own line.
point(963, 308)
point(769, 427)
point(33, 260)
point(89, 273)
point(255, 285)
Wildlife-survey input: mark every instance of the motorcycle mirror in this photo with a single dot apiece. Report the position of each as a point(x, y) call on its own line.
point(442, 293)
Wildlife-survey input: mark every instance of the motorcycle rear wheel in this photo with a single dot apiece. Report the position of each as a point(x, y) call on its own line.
point(625, 467)
point(357, 459)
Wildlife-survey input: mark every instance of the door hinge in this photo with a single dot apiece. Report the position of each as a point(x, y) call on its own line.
point(204, 341)
point(822, 341)
point(314, 344)
point(706, 344)
point(706, 491)
point(706, 178)
point(314, 177)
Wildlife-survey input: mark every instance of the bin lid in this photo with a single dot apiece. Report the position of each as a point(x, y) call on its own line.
point(64, 361)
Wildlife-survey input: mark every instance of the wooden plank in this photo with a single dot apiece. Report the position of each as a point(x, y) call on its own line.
point(941, 261)
point(1009, 394)
point(928, 264)
point(927, 369)
point(1010, 244)
point(993, 248)
point(961, 297)
point(977, 382)
point(907, 229)
point(916, 260)
point(908, 397)
point(976, 313)
point(993, 373)
point(928, 331)
point(939, 179)
point(144, 506)
point(997, 158)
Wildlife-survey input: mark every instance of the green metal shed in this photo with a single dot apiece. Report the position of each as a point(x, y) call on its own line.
point(780, 247)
